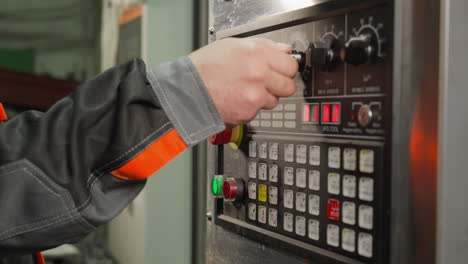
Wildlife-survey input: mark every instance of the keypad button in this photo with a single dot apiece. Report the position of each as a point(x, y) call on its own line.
point(314, 180)
point(290, 107)
point(265, 123)
point(301, 175)
point(262, 193)
point(333, 209)
point(252, 190)
point(334, 157)
point(262, 171)
point(265, 115)
point(276, 123)
point(333, 235)
point(289, 152)
point(349, 159)
point(288, 222)
point(263, 150)
point(272, 217)
point(290, 124)
point(314, 204)
point(273, 195)
point(314, 155)
point(349, 186)
point(288, 199)
point(273, 151)
point(262, 214)
point(366, 217)
point(366, 161)
point(349, 213)
point(252, 149)
point(252, 169)
point(252, 211)
point(365, 245)
point(254, 123)
point(334, 183)
point(273, 173)
point(290, 116)
point(366, 189)
point(314, 229)
point(301, 154)
point(348, 239)
point(288, 176)
point(301, 202)
point(278, 115)
point(300, 225)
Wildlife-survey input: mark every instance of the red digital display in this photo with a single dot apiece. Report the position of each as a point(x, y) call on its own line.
point(326, 109)
point(336, 114)
point(333, 210)
point(306, 113)
point(315, 113)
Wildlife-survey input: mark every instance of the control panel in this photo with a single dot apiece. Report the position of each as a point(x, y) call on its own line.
point(311, 176)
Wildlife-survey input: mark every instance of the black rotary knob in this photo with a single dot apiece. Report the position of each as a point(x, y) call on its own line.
point(324, 54)
point(361, 49)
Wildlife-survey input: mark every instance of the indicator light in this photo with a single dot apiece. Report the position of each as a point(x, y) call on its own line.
point(326, 113)
point(379, 117)
point(315, 113)
point(336, 113)
point(306, 113)
point(217, 186)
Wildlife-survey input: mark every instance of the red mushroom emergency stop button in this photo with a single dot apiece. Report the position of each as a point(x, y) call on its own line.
point(232, 136)
point(233, 189)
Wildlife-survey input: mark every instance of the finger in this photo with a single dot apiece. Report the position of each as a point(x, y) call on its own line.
point(280, 85)
point(271, 101)
point(283, 47)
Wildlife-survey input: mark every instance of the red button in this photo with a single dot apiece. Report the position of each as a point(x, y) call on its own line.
point(336, 113)
point(233, 189)
point(333, 209)
point(222, 137)
point(315, 113)
point(306, 113)
point(326, 113)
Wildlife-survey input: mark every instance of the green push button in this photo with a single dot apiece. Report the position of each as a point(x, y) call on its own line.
point(217, 186)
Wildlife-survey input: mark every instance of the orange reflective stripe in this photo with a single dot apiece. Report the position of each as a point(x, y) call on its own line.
point(3, 115)
point(153, 158)
point(39, 258)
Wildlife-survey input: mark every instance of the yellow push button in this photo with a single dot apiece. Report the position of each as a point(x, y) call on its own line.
point(262, 193)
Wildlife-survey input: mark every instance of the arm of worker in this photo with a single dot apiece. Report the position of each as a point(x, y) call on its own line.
point(75, 167)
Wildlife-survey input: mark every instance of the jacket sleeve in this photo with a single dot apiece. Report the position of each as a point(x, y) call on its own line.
point(75, 167)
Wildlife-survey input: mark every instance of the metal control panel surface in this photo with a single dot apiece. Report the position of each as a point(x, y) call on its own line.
point(316, 169)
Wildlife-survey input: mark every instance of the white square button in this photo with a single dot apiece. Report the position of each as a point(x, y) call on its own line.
point(273, 151)
point(349, 213)
point(273, 217)
point(252, 169)
point(263, 150)
point(273, 173)
point(288, 222)
point(314, 204)
point(366, 189)
point(252, 211)
point(273, 195)
point(314, 180)
point(314, 155)
point(288, 199)
point(301, 175)
point(301, 202)
point(314, 229)
point(262, 214)
point(334, 157)
point(252, 190)
point(301, 154)
point(300, 225)
point(366, 217)
point(348, 239)
point(366, 160)
point(349, 159)
point(334, 183)
point(288, 176)
point(289, 152)
point(365, 245)
point(262, 171)
point(252, 149)
point(349, 186)
point(333, 235)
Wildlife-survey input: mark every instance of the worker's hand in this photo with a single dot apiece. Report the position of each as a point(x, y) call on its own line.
point(246, 75)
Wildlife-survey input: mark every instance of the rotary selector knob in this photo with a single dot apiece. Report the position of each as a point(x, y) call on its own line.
point(324, 54)
point(365, 115)
point(361, 49)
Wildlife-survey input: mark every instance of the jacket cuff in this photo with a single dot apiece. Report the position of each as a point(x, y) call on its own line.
point(186, 100)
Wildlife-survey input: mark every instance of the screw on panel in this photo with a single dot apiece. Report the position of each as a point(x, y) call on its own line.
point(211, 30)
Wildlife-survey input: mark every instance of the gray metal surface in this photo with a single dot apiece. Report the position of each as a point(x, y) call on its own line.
point(452, 200)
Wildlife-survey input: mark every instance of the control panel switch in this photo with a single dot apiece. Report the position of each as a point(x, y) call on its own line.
point(231, 136)
point(217, 186)
point(233, 190)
